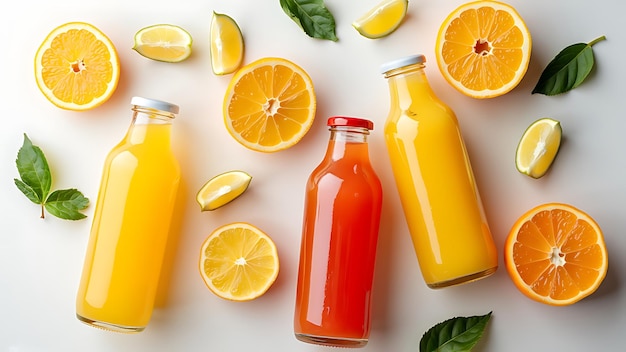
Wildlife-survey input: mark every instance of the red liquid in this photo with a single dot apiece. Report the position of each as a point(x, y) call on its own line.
point(340, 231)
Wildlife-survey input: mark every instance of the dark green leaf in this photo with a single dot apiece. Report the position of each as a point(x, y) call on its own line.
point(458, 334)
point(567, 70)
point(66, 204)
point(312, 16)
point(34, 171)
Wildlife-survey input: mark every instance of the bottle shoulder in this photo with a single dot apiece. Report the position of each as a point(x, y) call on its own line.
point(422, 113)
point(136, 154)
point(345, 171)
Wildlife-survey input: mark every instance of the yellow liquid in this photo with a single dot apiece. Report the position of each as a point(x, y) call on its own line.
point(129, 231)
point(436, 185)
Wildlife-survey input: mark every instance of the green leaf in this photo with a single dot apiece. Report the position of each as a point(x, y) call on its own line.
point(312, 16)
point(568, 69)
point(66, 204)
point(458, 334)
point(34, 171)
point(28, 191)
point(35, 182)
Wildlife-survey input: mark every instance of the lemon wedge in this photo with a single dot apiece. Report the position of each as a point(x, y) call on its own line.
point(222, 189)
point(382, 20)
point(538, 147)
point(238, 262)
point(227, 45)
point(163, 42)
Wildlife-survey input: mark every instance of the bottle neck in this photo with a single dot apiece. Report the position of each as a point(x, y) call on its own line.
point(147, 116)
point(150, 125)
point(407, 83)
point(347, 141)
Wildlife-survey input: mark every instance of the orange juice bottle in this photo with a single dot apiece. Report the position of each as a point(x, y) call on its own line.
point(435, 181)
point(131, 223)
point(339, 235)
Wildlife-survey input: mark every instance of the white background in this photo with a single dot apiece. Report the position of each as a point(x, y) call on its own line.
point(41, 260)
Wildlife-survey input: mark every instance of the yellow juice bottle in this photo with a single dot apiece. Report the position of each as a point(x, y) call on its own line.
point(435, 181)
point(131, 223)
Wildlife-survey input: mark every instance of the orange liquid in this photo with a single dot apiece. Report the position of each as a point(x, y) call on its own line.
point(129, 231)
point(436, 185)
point(340, 233)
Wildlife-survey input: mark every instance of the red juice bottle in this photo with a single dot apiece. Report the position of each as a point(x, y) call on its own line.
point(339, 237)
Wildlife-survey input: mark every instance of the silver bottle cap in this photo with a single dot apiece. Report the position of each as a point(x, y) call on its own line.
point(405, 61)
point(155, 104)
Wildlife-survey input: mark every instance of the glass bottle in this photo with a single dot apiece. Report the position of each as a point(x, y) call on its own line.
point(435, 181)
point(339, 236)
point(131, 223)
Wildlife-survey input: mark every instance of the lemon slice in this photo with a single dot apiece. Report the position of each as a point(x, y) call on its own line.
point(238, 262)
point(382, 20)
point(227, 45)
point(222, 189)
point(163, 42)
point(538, 147)
point(77, 67)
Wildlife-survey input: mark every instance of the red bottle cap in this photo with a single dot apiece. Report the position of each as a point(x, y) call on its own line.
point(350, 122)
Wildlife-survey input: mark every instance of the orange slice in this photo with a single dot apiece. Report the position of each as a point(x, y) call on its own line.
point(239, 262)
point(555, 254)
point(77, 67)
point(483, 48)
point(269, 105)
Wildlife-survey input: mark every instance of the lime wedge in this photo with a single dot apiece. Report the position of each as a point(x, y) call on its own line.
point(222, 189)
point(163, 42)
point(538, 147)
point(227, 45)
point(382, 20)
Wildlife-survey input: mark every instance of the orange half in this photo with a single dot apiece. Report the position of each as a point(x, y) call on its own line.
point(269, 105)
point(555, 254)
point(483, 48)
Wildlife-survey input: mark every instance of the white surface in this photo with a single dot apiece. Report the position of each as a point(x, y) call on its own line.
point(40, 260)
